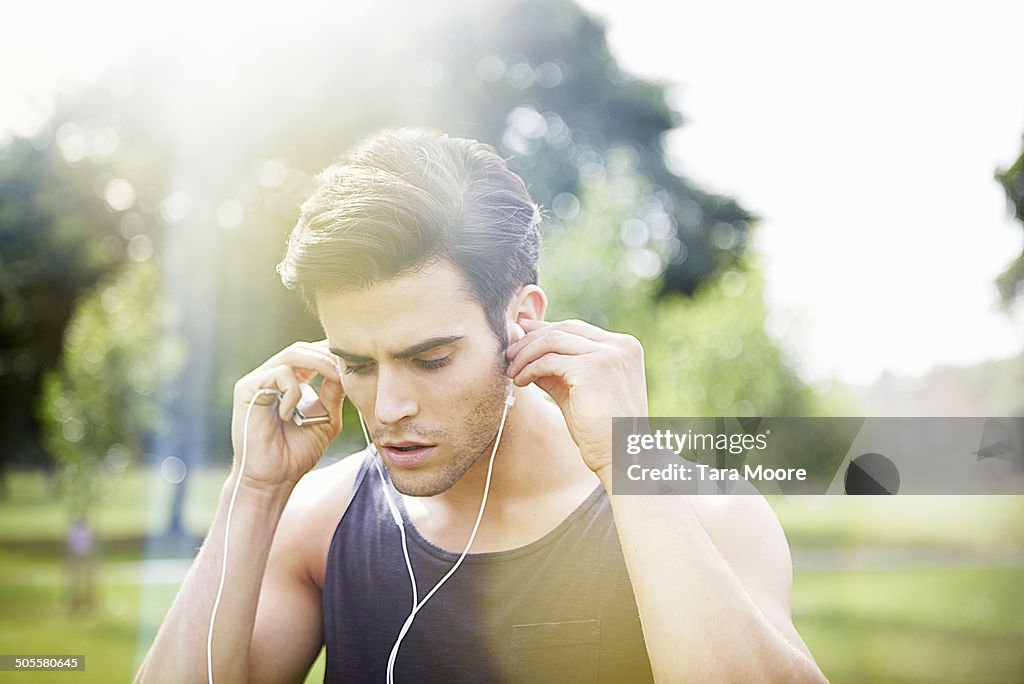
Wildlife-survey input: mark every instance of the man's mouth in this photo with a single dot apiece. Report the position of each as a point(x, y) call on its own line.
point(406, 454)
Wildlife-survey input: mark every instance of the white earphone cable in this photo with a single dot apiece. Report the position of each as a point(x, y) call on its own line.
point(394, 511)
point(227, 531)
point(416, 604)
point(472, 537)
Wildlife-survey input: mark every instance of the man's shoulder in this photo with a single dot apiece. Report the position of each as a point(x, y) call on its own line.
point(314, 508)
point(326, 486)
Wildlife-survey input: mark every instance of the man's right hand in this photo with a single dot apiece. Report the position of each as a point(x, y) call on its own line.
point(278, 451)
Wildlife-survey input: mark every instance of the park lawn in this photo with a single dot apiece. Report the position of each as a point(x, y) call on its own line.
point(139, 502)
point(134, 505)
point(933, 625)
point(940, 625)
point(36, 620)
point(963, 522)
point(898, 624)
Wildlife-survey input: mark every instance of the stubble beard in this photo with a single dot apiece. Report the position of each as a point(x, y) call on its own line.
point(469, 442)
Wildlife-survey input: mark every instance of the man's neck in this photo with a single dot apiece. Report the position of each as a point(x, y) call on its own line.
point(536, 460)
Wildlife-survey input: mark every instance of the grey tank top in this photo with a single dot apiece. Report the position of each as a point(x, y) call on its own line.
point(560, 609)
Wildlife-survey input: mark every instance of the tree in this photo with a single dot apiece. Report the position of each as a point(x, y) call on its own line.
point(706, 355)
point(56, 239)
point(536, 79)
point(216, 185)
point(100, 404)
point(1011, 282)
point(215, 174)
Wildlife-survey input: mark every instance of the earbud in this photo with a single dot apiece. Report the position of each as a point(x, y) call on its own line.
point(517, 333)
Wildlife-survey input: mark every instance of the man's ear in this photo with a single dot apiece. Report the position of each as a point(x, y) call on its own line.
point(529, 303)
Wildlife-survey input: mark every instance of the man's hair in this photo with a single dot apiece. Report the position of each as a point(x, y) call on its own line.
point(406, 198)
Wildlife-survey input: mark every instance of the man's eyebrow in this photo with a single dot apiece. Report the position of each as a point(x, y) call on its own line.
point(407, 353)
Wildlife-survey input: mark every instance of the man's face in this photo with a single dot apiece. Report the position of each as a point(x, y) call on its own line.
point(422, 365)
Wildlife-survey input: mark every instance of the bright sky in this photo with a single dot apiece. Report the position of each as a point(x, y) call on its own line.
point(865, 137)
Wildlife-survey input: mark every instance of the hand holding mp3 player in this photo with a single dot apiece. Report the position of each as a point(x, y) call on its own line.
point(310, 410)
point(280, 418)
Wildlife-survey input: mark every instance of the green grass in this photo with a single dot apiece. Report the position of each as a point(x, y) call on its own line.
point(948, 624)
point(36, 620)
point(964, 522)
point(936, 625)
point(134, 505)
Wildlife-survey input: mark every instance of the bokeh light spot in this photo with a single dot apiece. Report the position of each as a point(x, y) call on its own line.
point(118, 458)
point(566, 206)
point(490, 69)
point(140, 248)
point(734, 284)
point(72, 142)
point(521, 76)
point(272, 173)
point(527, 122)
point(119, 194)
point(175, 207)
point(173, 470)
point(644, 263)
point(634, 233)
point(724, 235)
point(73, 430)
point(549, 75)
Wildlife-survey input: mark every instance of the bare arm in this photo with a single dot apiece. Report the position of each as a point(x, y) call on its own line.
point(712, 578)
point(179, 650)
point(289, 629)
point(279, 453)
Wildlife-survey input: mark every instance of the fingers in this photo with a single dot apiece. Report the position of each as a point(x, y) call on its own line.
point(576, 327)
point(262, 399)
point(579, 330)
point(602, 339)
point(557, 350)
point(548, 365)
point(545, 341)
point(332, 394)
point(285, 371)
point(282, 379)
point(308, 359)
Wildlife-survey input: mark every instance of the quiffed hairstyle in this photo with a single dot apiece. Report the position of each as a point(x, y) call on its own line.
point(404, 198)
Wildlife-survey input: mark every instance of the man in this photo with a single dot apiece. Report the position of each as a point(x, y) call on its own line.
point(418, 253)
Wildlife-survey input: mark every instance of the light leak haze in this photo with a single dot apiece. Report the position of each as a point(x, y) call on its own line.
point(864, 135)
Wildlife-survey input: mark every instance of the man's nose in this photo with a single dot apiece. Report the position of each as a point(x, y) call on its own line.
point(395, 401)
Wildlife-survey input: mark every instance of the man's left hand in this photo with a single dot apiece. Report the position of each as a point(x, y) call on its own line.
point(592, 374)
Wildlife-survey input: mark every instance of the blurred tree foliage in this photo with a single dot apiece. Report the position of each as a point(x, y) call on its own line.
point(101, 401)
point(199, 158)
point(1011, 282)
point(707, 355)
point(56, 239)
